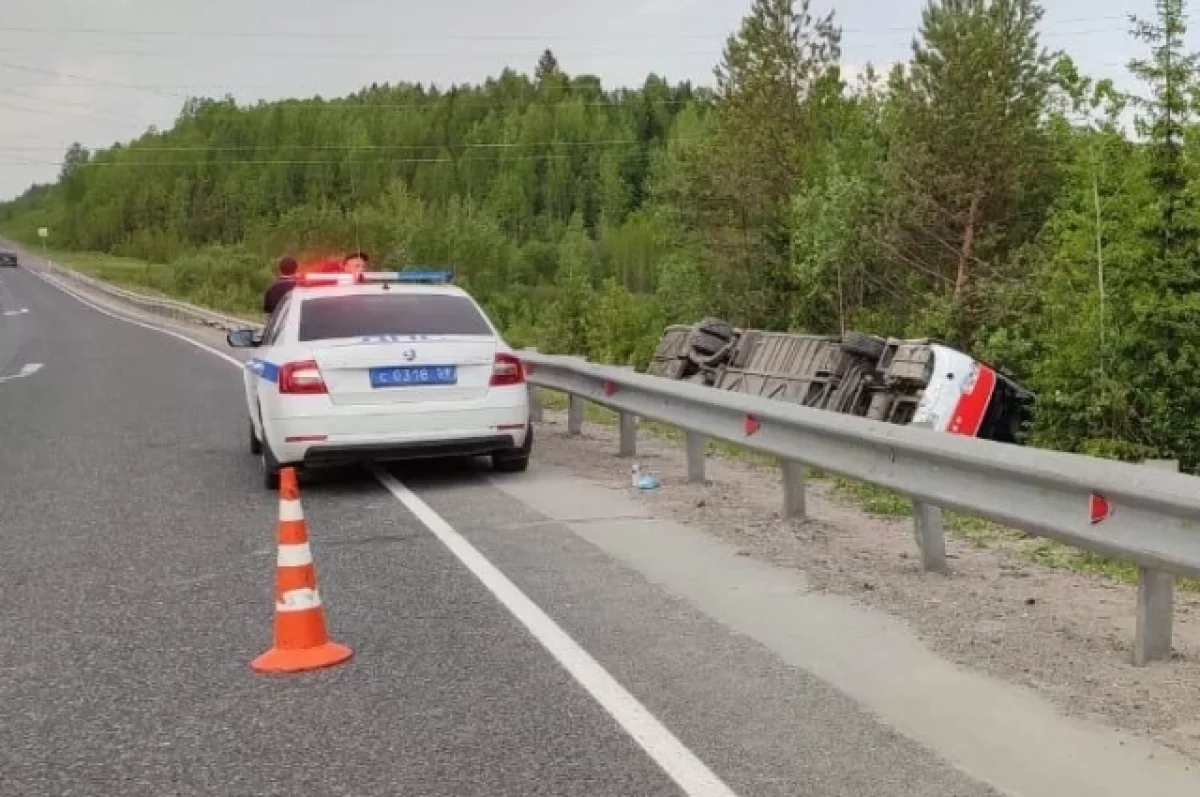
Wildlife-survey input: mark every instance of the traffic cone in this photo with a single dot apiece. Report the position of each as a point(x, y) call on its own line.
point(301, 642)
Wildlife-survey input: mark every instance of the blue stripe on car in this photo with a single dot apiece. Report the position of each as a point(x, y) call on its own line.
point(264, 369)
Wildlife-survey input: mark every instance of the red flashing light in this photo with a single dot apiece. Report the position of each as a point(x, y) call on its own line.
point(316, 279)
point(507, 370)
point(301, 377)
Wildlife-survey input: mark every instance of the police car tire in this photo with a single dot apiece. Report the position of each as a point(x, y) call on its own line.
point(510, 464)
point(516, 460)
point(270, 468)
point(255, 444)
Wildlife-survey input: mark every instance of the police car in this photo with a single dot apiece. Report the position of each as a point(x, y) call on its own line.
point(382, 366)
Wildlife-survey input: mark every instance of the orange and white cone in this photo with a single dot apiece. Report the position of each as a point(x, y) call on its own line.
point(301, 642)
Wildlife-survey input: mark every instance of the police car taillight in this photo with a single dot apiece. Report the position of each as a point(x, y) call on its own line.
point(507, 370)
point(301, 377)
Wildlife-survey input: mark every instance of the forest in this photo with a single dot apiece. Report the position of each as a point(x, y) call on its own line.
point(985, 193)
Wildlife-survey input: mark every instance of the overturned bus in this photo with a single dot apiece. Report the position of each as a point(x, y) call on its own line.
point(885, 379)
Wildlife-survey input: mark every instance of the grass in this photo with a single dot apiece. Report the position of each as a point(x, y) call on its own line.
point(124, 272)
point(211, 280)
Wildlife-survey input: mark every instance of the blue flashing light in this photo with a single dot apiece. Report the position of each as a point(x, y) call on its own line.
point(428, 277)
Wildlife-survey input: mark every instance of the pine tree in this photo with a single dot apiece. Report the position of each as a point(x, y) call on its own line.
point(547, 66)
point(1171, 74)
point(1156, 298)
point(969, 141)
point(776, 74)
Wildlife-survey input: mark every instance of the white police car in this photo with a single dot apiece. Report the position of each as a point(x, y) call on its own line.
point(382, 366)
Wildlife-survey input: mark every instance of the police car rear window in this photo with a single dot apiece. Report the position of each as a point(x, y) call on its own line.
point(361, 315)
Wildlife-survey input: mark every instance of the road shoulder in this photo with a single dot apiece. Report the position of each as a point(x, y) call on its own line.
point(1064, 635)
point(997, 732)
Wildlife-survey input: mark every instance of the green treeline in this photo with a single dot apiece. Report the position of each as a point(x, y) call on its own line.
point(985, 193)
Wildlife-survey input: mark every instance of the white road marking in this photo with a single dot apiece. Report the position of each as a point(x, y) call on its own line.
point(676, 760)
point(26, 370)
point(17, 312)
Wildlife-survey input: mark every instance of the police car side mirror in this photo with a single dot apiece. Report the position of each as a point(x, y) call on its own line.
point(242, 338)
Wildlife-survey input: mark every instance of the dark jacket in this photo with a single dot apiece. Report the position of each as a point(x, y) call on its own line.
point(274, 295)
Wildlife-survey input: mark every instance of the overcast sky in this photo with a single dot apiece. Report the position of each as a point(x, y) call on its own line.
point(99, 71)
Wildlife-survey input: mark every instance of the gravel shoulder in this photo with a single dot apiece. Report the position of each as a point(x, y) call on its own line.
point(1064, 634)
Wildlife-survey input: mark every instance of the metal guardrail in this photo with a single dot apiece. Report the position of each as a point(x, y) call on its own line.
point(158, 305)
point(1143, 514)
point(1136, 513)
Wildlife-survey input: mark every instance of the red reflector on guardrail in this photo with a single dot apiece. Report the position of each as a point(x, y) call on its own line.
point(751, 425)
point(1099, 509)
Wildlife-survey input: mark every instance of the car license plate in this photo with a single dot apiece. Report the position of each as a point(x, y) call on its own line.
point(414, 375)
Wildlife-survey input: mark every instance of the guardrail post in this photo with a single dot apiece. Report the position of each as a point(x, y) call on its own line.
point(535, 398)
point(575, 405)
point(628, 445)
point(696, 445)
point(1155, 602)
point(930, 535)
point(627, 423)
point(793, 489)
point(535, 405)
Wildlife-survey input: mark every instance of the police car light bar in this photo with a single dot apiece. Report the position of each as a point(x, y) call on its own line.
point(427, 277)
point(430, 277)
point(314, 280)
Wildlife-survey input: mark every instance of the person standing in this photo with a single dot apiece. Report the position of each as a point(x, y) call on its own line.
point(357, 262)
point(282, 284)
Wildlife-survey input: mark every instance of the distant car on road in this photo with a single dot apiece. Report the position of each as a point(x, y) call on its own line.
point(382, 366)
point(9, 260)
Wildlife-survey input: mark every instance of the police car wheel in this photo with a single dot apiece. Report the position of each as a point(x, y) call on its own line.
point(517, 459)
point(255, 445)
point(270, 469)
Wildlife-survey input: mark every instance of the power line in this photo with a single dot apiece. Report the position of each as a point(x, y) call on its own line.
point(366, 147)
point(97, 81)
point(399, 55)
point(92, 111)
point(45, 112)
point(283, 162)
point(354, 102)
point(426, 36)
point(352, 99)
point(318, 55)
point(205, 86)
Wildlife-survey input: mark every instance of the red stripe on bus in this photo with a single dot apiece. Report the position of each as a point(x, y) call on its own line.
point(968, 413)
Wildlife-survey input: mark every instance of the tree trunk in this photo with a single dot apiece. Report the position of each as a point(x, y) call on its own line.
point(964, 254)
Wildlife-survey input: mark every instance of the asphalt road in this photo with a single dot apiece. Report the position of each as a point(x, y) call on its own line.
point(136, 562)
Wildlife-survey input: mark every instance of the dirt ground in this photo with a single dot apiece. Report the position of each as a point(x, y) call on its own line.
point(1067, 635)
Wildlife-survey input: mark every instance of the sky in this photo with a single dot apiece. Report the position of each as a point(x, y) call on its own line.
point(101, 71)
